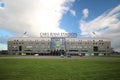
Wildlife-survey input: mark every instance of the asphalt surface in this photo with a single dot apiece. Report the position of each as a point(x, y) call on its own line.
point(59, 57)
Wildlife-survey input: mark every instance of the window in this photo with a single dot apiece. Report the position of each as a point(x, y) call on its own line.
point(42, 42)
point(84, 50)
point(85, 46)
point(95, 48)
point(73, 50)
point(48, 46)
point(101, 40)
point(20, 48)
point(80, 46)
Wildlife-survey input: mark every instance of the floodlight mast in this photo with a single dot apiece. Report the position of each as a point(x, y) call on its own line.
point(94, 34)
point(24, 34)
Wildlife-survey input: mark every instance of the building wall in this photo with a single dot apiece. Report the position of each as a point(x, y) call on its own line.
point(88, 46)
point(74, 46)
point(29, 45)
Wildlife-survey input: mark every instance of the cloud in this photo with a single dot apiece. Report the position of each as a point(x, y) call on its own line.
point(3, 39)
point(85, 12)
point(33, 16)
point(3, 42)
point(2, 5)
point(3, 47)
point(105, 25)
point(73, 12)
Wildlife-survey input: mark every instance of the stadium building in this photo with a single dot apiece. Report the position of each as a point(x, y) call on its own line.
point(57, 44)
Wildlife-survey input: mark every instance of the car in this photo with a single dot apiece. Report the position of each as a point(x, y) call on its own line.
point(69, 55)
point(36, 54)
point(62, 56)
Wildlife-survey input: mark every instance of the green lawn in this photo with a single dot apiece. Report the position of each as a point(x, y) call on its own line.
point(59, 69)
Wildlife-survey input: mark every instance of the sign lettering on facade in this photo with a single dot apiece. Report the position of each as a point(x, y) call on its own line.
point(72, 35)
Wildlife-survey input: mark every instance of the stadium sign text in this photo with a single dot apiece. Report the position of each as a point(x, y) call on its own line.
point(73, 35)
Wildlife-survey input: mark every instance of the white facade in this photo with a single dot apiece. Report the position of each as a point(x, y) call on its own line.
point(59, 45)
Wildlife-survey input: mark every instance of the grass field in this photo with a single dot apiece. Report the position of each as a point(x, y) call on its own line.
point(59, 69)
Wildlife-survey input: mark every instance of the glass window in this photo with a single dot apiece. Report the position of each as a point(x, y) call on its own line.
point(58, 43)
point(95, 48)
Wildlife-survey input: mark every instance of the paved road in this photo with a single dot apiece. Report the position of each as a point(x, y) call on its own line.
point(59, 57)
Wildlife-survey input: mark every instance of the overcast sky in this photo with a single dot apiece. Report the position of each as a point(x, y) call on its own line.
point(81, 16)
